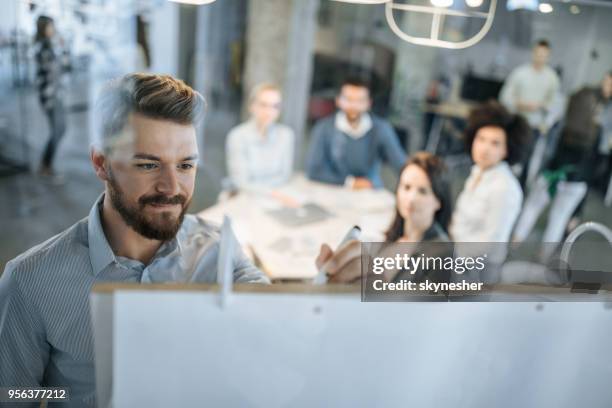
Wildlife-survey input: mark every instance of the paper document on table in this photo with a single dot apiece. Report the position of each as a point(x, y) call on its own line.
point(294, 217)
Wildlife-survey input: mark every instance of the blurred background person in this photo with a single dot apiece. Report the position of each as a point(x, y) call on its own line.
point(423, 212)
point(530, 90)
point(50, 64)
point(491, 199)
point(260, 151)
point(587, 129)
point(580, 159)
point(349, 146)
point(603, 174)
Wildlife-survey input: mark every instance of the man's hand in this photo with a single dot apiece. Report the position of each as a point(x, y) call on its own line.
point(361, 183)
point(528, 106)
point(343, 266)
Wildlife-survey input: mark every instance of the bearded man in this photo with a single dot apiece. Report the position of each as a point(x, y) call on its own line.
point(137, 231)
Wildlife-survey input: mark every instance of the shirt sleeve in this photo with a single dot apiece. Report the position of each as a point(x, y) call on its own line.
point(24, 351)
point(244, 269)
point(288, 154)
point(507, 95)
point(235, 152)
point(318, 161)
point(392, 151)
point(552, 92)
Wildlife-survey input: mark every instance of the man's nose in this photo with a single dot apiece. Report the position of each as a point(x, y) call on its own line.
point(167, 182)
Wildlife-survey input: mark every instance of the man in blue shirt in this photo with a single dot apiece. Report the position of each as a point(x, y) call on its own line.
point(137, 231)
point(349, 146)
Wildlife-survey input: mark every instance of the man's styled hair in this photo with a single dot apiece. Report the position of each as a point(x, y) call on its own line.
point(150, 95)
point(492, 113)
point(542, 42)
point(261, 87)
point(353, 81)
point(41, 27)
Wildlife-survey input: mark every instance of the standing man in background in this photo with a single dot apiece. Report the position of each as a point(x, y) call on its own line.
point(530, 90)
point(349, 146)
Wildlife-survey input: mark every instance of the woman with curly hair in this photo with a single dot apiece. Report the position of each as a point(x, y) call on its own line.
point(491, 200)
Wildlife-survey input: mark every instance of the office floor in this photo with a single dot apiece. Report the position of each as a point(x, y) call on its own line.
point(32, 209)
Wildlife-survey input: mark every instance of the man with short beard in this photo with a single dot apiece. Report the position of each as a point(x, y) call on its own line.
point(349, 146)
point(137, 231)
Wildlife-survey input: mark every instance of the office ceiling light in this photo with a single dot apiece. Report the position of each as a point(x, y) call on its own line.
point(574, 9)
point(442, 3)
point(545, 8)
point(195, 2)
point(474, 3)
point(438, 16)
point(363, 1)
point(512, 5)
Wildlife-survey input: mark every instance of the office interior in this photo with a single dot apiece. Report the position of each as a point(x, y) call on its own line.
point(223, 48)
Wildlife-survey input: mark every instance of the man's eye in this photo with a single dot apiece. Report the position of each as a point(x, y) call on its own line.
point(186, 166)
point(146, 166)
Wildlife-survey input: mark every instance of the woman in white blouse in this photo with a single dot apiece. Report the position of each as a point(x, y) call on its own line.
point(491, 200)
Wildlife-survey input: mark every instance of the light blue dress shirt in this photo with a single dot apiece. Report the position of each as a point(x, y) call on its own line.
point(45, 329)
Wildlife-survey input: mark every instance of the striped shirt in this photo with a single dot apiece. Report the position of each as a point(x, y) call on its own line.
point(45, 329)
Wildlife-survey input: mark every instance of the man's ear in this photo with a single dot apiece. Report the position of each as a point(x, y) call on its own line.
point(98, 160)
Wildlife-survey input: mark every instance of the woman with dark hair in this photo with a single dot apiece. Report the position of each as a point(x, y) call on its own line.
point(423, 210)
point(48, 75)
point(423, 202)
point(491, 199)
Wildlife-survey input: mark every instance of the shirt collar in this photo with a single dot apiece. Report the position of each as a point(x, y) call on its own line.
point(256, 136)
point(342, 124)
point(498, 168)
point(100, 252)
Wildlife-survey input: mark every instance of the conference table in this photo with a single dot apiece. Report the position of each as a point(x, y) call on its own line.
point(268, 225)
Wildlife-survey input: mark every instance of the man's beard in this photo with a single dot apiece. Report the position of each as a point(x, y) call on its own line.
point(163, 230)
point(353, 118)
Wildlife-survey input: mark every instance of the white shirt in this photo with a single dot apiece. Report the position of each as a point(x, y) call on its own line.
point(487, 211)
point(526, 84)
point(254, 161)
point(364, 126)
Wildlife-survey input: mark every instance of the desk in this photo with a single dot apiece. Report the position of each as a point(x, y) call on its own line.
point(290, 252)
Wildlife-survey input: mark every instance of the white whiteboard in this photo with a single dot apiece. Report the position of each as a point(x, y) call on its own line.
point(180, 349)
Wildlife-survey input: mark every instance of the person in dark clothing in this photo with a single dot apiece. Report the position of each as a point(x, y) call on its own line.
point(349, 146)
point(49, 68)
point(585, 138)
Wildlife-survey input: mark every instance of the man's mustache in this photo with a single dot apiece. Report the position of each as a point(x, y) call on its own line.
point(162, 199)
